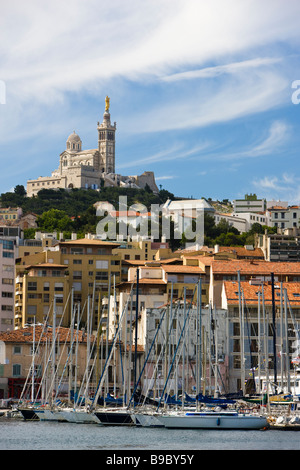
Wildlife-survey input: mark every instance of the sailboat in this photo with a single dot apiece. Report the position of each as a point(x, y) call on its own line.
point(116, 415)
point(213, 419)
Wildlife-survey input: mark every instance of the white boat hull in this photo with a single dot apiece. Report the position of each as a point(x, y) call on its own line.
point(79, 416)
point(213, 421)
point(146, 420)
point(50, 415)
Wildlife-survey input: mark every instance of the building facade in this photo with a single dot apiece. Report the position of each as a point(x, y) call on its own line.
point(75, 272)
point(8, 250)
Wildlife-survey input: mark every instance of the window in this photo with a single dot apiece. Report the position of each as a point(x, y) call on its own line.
point(46, 286)
point(32, 285)
point(8, 268)
point(59, 298)
point(42, 272)
point(77, 251)
point(16, 370)
point(6, 280)
point(17, 350)
point(101, 264)
point(7, 308)
point(31, 309)
point(101, 276)
point(91, 261)
point(7, 295)
point(59, 287)
point(77, 286)
point(56, 273)
point(77, 274)
point(77, 261)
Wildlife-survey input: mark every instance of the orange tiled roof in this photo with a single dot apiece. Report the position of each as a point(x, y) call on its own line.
point(256, 267)
point(25, 335)
point(242, 251)
point(251, 292)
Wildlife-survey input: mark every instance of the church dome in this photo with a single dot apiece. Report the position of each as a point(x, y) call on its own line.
point(74, 138)
point(74, 143)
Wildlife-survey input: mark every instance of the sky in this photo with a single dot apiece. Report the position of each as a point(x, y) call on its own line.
point(205, 94)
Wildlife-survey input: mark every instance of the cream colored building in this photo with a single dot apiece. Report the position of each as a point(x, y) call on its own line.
point(86, 169)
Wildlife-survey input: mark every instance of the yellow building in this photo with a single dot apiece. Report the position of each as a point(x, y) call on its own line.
point(141, 250)
point(76, 272)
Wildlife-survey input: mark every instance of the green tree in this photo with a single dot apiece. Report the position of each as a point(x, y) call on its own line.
point(54, 219)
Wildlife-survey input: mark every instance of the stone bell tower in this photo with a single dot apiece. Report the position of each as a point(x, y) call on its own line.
point(106, 141)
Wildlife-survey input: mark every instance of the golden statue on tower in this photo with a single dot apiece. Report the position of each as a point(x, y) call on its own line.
point(107, 103)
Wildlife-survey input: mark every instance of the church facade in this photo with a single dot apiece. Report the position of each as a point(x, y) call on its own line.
point(93, 168)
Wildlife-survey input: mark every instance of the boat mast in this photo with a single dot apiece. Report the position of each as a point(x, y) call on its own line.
point(274, 332)
point(287, 361)
point(33, 357)
point(71, 346)
point(107, 335)
point(136, 324)
point(242, 359)
point(259, 343)
point(281, 337)
point(53, 349)
point(199, 339)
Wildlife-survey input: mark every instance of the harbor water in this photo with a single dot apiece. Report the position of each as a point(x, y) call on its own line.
point(18, 434)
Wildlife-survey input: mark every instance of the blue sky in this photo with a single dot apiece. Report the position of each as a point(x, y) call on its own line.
point(201, 91)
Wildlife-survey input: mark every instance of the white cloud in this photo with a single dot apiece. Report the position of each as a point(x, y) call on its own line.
point(62, 46)
point(211, 72)
point(170, 177)
point(272, 144)
point(283, 187)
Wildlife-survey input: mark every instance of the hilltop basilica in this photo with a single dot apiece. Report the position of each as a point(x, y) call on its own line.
point(90, 168)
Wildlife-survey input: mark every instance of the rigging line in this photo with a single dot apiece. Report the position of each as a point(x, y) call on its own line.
point(183, 347)
point(91, 353)
point(168, 335)
point(295, 325)
point(87, 378)
point(155, 369)
point(171, 366)
point(56, 333)
point(249, 341)
point(108, 357)
point(35, 354)
point(146, 360)
point(61, 355)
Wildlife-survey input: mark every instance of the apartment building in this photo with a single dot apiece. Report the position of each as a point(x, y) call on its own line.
point(8, 250)
point(140, 249)
point(249, 204)
point(280, 246)
point(284, 217)
point(10, 214)
point(227, 270)
point(251, 334)
point(83, 270)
